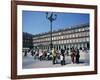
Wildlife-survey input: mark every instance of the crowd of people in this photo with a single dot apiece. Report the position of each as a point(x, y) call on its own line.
point(55, 55)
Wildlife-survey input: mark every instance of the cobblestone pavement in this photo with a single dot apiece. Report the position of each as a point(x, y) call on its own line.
point(30, 62)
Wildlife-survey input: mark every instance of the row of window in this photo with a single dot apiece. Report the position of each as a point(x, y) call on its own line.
point(64, 32)
point(86, 39)
point(27, 41)
point(82, 34)
point(71, 31)
point(64, 46)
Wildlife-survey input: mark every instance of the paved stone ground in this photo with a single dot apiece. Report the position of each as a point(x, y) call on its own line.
point(30, 62)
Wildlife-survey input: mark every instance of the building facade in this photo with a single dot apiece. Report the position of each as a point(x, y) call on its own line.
point(27, 41)
point(77, 37)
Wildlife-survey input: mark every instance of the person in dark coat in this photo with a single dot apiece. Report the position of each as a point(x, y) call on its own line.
point(25, 53)
point(77, 56)
point(32, 53)
point(62, 53)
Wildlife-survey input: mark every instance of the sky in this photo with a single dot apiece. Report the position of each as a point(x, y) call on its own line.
point(35, 22)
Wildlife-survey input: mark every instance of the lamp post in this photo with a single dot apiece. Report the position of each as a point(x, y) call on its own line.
point(51, 17)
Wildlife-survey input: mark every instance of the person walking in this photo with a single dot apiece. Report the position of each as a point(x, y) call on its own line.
point(32, 53)
point(25, 53)
point(62, 53)
point(73, 55)
point(61, 59)
point(54, 55)
point(77, 56)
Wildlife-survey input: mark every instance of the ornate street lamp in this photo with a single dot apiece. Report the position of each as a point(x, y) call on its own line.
point(51, 17)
